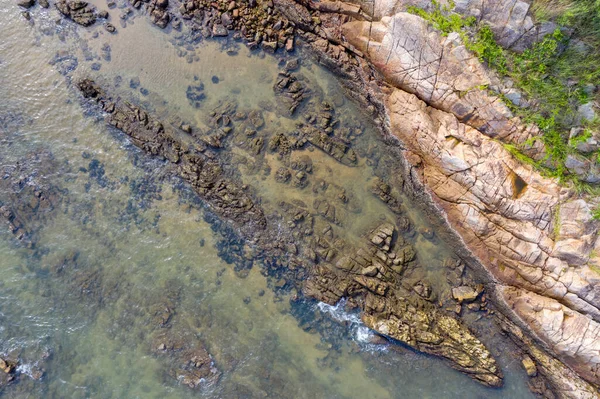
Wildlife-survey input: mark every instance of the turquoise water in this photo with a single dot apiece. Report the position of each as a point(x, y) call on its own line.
point(126, 254)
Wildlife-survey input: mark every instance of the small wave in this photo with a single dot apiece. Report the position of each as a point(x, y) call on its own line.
point(362, 334)
point(26, 369)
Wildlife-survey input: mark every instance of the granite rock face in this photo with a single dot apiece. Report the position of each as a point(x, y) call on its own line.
point(439, 70)
point(510, 21)
point(537, 239)
point(532, 235)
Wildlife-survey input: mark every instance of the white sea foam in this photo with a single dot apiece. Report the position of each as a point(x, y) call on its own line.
point(361, 333)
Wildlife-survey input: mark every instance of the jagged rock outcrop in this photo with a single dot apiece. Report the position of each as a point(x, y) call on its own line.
point(79, 11)
point(373, 277)
point(506, 214)
point(204, 174)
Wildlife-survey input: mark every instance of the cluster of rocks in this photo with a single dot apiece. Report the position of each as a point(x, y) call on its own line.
point(258, 24)
point(195, 94)
point(372, 279)
point(383, 191)
point(291, 91)
point(79, 11)
point(204, 174)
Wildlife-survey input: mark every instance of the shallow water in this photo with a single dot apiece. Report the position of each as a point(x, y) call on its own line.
point(128, 240)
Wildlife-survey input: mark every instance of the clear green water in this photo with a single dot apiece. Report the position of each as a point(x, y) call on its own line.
point(144, 243)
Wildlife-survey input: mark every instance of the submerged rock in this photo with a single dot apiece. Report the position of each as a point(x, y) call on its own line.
point(204, 174)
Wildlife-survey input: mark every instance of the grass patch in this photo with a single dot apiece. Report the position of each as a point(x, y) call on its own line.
point(596, 213)
point(555, 74)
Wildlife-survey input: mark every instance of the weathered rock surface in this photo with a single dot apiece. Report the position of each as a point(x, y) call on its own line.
point(510, 21)
point(532, 235)
point(79, 11)
point(439, 70)
point(527, 231)
point(373, 274)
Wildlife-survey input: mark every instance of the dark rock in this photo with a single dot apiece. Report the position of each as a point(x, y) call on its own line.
point(25, 3)
point(215, 79)
point(205, 175)
point(110, 27)
point(79, 11)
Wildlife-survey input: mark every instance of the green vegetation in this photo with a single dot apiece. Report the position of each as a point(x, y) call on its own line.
point(596, 213)
point(554, 80)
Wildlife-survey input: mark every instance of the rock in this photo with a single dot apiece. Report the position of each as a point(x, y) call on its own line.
point(370, 271)
point(5, 366)
point(186, 128)
point(103, 14)
point(269, 46)
point(587, 112)
point(424, 290)
point(80, 12)
point(529, 366)
point(584, 140)
point(134, 83)
point(44, 3)
point(464, 294)
point(289, 45)
point(219, 30)
point(205, 175)
point(162, 4)
point(515, 97)
point(26, 3)
point(110, 27)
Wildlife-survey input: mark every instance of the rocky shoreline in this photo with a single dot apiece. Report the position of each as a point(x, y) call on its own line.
point(528, 238)
point(371, 279)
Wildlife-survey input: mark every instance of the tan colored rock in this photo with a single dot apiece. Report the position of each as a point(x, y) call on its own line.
point(464, 294)
point(414, 57)
point(511, 227)
point(6, 366)
point(529, 366)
